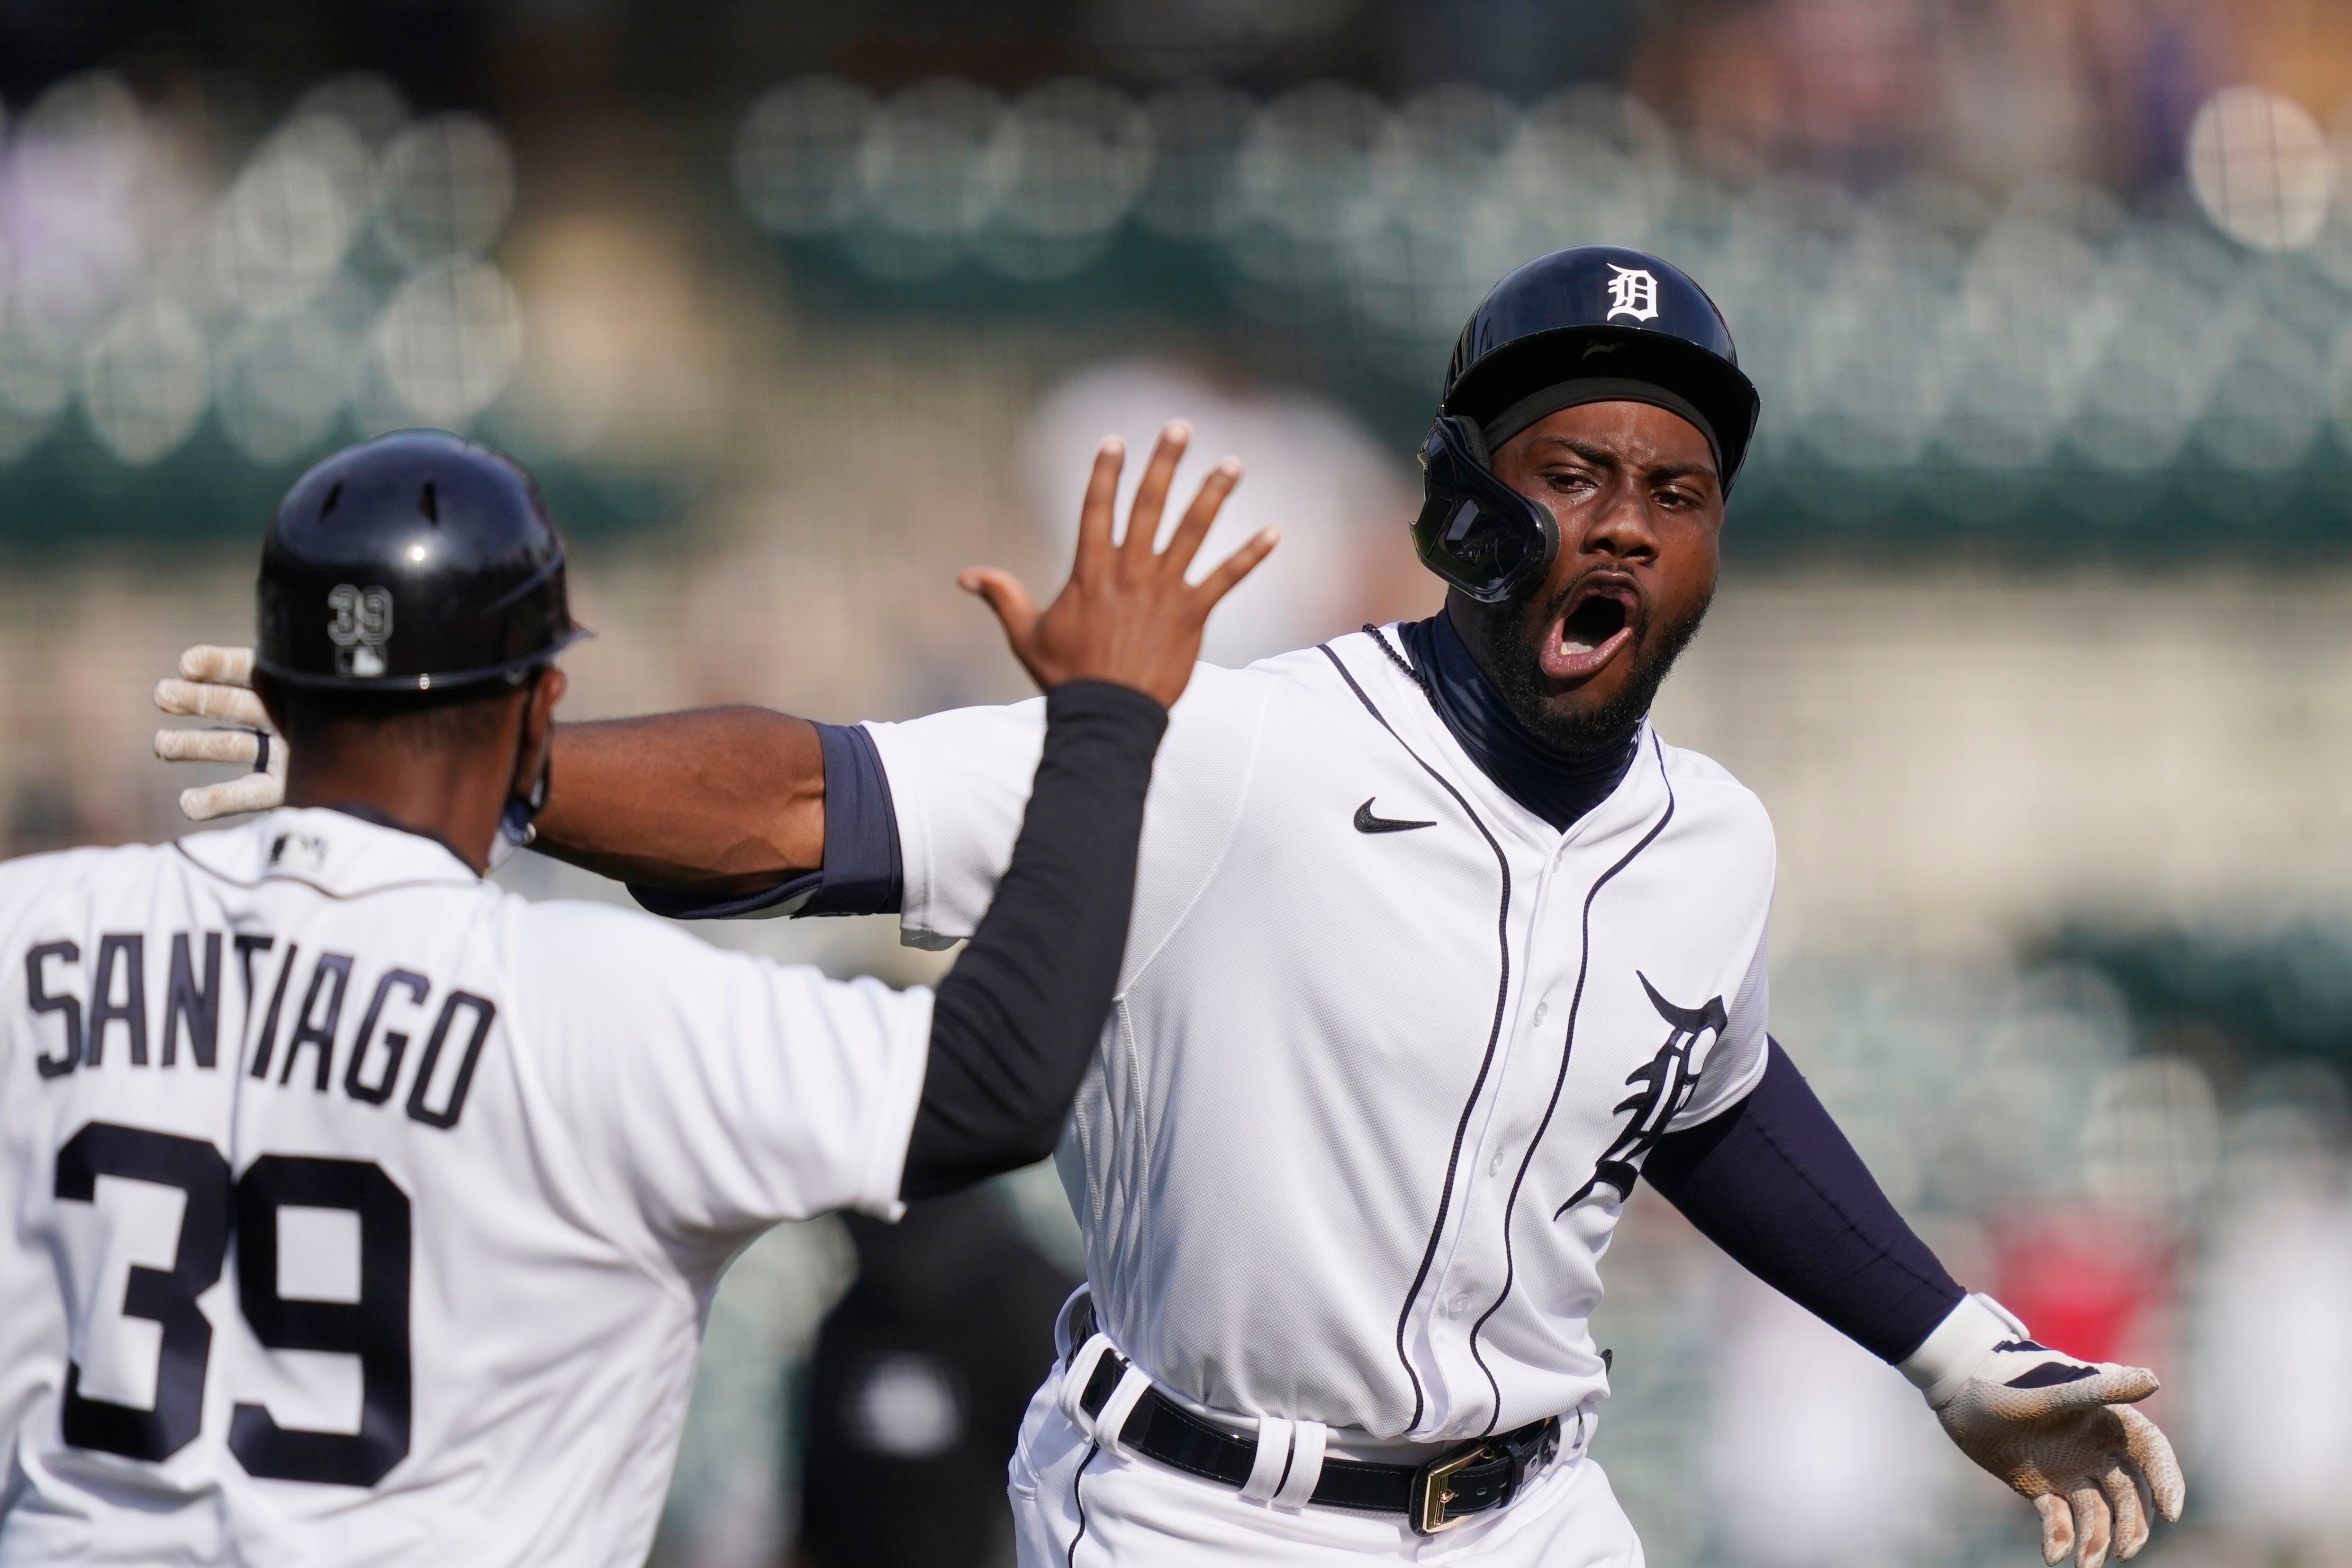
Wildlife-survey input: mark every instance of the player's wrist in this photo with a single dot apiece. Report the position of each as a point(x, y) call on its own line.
point(1957, 1347)
point(1115, 702)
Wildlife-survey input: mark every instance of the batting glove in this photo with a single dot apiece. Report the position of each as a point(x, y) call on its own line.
point(217, 683)
point(2060, 1432)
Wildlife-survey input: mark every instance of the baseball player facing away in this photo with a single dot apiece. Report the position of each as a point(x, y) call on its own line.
point(359, 1213)
point(1437, 950)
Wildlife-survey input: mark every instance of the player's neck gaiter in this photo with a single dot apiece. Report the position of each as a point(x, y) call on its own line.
point(1558, 786)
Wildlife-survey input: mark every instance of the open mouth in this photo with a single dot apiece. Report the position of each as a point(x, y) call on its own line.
point(1597, 625)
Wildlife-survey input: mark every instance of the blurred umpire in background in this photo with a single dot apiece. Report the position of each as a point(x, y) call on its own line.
point(916, 1387)
point(1438, 949)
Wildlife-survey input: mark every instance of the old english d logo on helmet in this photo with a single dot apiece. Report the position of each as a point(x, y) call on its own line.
point(1596, 310)
point(414, 563)
point(1634, 294)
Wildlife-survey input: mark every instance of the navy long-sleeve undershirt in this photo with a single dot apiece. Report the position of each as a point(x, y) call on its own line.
point(1017, 1019)
point(1773, 1183)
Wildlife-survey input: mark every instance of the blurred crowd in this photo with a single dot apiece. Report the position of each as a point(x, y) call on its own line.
point(797, 313)
point(1930, 346)
point(1986, 261)
point(339, 265)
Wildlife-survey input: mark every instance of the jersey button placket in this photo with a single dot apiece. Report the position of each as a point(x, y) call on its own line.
point(1495, 1162)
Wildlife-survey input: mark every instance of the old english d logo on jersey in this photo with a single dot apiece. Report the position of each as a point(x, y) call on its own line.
point(1663, 1085)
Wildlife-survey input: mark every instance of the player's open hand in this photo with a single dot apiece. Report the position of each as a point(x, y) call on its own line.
point(217, 683)
point(1126, 613)
point(2063, 1433)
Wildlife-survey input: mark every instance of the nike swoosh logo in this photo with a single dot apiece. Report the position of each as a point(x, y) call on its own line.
point(1367, 823)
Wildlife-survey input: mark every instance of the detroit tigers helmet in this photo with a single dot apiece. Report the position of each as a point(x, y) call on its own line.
point(417, 561)
point(1597, 323)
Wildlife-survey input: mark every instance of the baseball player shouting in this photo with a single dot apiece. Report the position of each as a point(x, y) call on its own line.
point(358, 1212)
point(1437, 950)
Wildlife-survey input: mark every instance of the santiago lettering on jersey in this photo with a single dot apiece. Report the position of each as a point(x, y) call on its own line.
point(115, 1002)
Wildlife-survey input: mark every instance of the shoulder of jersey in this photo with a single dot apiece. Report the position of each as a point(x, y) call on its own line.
point(37, 890)
point(1298, 661)
point(77, 866)
point(583, 943)
point(1311, 666)
point(1220, 689)
point(1700, 781)
point(585, 925)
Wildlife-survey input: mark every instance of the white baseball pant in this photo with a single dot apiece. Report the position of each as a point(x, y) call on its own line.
point(1077, 1505)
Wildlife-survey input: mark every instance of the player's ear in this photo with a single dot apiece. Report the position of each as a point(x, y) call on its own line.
point(538, 728)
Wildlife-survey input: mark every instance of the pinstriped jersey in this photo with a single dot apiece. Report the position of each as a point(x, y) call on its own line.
point(355, 1211)
point(1389, 1050)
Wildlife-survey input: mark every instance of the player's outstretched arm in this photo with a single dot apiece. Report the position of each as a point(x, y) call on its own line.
point(730, 800)
point(1018, 1019)
point(717, 802)
point(1775, 1184)
point(720, 801)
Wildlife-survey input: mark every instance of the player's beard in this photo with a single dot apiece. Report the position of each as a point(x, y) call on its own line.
point(1514, 663)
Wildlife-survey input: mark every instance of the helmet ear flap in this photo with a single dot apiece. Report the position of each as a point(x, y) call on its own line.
point(1474, 531)
point(1472, 438)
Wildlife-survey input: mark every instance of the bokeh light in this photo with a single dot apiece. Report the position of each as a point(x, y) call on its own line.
point(1196, 136)
point(450, 339)
point(281, 384)
point(927, 179)
point(2260, 168)
point(1071, 158)
point(144, 381)
point(448, 187)
point(797, 157)
point(288, 219)
point(70, 194)
point(2152, 1139)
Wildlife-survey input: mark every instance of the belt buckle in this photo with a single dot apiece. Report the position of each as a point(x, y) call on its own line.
point(1427, 1502)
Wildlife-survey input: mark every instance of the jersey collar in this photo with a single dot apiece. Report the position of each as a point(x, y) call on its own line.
point(1632, 807)
point(1560, 788)
point(333, 850)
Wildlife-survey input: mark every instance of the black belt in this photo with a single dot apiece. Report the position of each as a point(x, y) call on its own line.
point(1468, 1478)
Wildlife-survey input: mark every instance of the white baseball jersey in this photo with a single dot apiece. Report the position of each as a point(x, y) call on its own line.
point(1388, 1050)
point(359, 1212)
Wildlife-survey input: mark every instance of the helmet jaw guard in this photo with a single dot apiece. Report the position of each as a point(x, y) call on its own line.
point(1476, 531)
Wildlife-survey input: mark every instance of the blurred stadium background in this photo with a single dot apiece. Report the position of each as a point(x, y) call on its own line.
point(2034, 636)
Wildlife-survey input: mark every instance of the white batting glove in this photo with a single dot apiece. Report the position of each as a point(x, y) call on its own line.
point(2060, 1432)
point(217, 683)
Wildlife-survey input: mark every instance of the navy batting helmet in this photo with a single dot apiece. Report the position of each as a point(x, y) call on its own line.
point(417, 562)
point(1589, 325)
